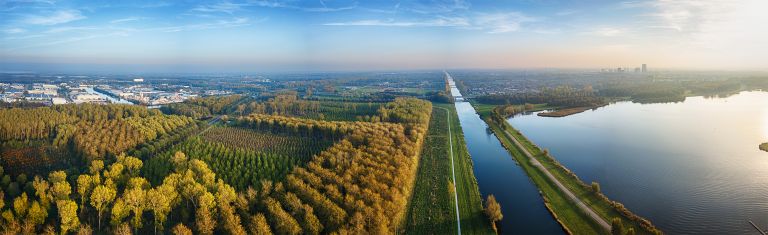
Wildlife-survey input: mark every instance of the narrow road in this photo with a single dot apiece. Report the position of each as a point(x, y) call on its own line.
point(453, 168)
point(210, 124)
point(600, 221)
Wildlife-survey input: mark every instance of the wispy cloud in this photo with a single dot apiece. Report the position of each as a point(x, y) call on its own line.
point(14, 30)
point(57, 17)
point(440, 22)
point(436, 6)
point(129, 19)
point(68, 29)
point(608, 31)
point(503, 22)
point(490, 22)
point(236, 22)
point(221, 7)
point(283, 4)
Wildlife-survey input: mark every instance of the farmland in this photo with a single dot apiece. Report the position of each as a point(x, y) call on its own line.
point(432, 206)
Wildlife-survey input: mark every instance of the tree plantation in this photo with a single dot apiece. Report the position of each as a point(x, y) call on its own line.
point(139, 171)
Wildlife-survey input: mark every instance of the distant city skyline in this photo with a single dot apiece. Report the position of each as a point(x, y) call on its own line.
point(288, 35)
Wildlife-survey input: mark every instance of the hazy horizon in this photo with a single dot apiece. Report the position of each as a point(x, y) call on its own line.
point(255, 35)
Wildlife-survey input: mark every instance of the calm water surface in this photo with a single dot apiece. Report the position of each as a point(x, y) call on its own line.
point(497, 174)
point(691, 168)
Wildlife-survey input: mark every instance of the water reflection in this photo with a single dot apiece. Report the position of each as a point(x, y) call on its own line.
point(692, 167)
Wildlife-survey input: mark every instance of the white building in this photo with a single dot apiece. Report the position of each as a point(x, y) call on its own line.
point(58, 100)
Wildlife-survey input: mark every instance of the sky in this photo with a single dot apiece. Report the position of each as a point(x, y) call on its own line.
point(292, 35)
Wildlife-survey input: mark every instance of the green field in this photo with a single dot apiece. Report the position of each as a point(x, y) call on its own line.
point(432, 209)
point(567, 212)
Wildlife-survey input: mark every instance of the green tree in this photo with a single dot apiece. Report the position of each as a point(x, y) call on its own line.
point(20, 205)
point(180, 229)
point(96, 167)
point(84, 186)
point(617, 228)
point(100, 199)
point(68, 215)
point(135, 201)
point(493, 210)
point(37, 213)
point(160, 205)
point(595, 187)
point(259, 225)
point(119, 212)
point(41, 187)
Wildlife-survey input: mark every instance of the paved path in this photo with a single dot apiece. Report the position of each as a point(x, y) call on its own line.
point(453, 168)
point(604, 224)
point(210, 124)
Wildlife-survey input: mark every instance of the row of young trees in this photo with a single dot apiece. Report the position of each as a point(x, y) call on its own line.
point(236, 166)
point(298, 146)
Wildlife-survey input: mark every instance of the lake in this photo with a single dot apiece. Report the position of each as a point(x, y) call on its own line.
point(498, 174)
point(692, 167)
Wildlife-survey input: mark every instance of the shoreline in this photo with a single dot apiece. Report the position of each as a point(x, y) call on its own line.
point(567, 111)
point(563, 209)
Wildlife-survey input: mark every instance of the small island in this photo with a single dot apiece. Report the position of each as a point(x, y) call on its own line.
point(764, 146)
point(564, 112)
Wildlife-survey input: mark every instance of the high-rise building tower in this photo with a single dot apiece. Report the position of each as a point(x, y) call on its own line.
point(645, 68)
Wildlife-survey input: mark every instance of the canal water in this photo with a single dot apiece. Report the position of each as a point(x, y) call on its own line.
point(692, 167)
point(498, 174)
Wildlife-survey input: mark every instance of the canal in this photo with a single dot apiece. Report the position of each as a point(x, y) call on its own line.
point(498, 174)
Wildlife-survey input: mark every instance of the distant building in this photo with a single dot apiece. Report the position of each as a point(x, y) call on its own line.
point(645, 68)
point(637, 70)
point(58, 100)
point(138, 80)
point(89, 98)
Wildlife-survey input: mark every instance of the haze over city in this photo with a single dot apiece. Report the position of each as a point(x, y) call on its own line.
point(248, 36)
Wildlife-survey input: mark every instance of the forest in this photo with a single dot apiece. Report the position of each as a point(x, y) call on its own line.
point(250, 177)
point(562, 96)
point(36, 140)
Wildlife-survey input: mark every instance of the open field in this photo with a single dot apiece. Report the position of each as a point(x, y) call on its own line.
point(567, 212)
point(432, 210)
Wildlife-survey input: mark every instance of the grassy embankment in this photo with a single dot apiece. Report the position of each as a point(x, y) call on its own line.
point(764, 147)
point(566, 212)
point(432, 209)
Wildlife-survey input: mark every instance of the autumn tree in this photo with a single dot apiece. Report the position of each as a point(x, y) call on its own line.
point(68, 215)
point(493, 210)
point(617, 228)
point(101, 197)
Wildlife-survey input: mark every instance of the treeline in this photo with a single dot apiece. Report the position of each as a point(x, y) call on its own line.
point(289, 104)
point(563, 96)
point(204, 107)
point(646, 92)
point(87, 130)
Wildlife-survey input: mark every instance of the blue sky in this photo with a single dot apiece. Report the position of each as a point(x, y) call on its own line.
point(273, 35)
